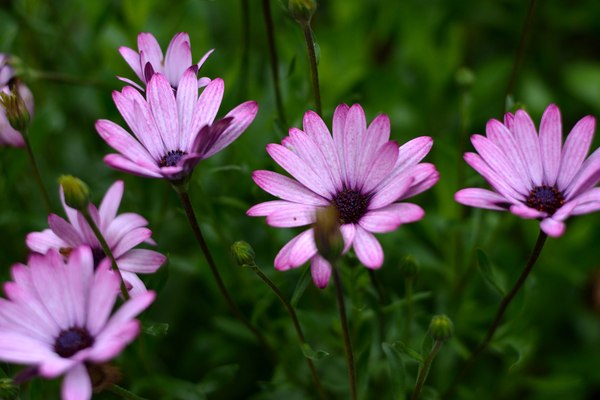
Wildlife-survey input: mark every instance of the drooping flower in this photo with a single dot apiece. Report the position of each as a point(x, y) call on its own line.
point(150, 60)
point(57, 318)
point(122, 233)
point(358, 170)
point(8, 135)
point(536, 177)
point(174, 131)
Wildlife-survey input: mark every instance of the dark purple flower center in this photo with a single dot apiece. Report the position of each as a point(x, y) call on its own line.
point(71, 340)
point(172, 158)
point(545, 198)
point(351, 204)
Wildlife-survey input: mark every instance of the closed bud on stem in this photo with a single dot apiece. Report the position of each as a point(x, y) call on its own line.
point(465, 78)
point(328, 237)
point(77, 194)
point(441, 328)
point(302, 10)
point(15, 109)
point(242, 253)
point(409, 267)
point(8, 390)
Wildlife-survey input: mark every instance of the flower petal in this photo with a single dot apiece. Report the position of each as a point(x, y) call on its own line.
point(141, 261)
point(132, 58)
point(207, 107)
point(367, 249)
point(42, 241)
point(576, 148)
point(527, 138)
point(505, 140)
point(523, 211)
point(354, 133)
point(187, 95)
point(77, 384)
point(110, 204)
point(481, 198)
point(101, 299)
point(391, 192)
point(297, 251)
point(287, 189)
point(242, 116)
point(379, 166)
point(64, 230)
point(291, 215)
point(164, 109)
point(178, 58)
point(317, 130)
point(550, 143)
point(320, 271)
point(121, 163)
point(552, 227)
point(149, 52)
point(389, 218)
point(477, 163)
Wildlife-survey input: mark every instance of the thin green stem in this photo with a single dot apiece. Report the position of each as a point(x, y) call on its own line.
point(408, 285)
point(191, 216)
point(424, 371)
point(245, 40)
point(312, 59)
point(36, 172)
point(296, 324)
point(124, 393)
point(106, 249)
point(520, 55)
point(508, 298)
point(266, 5)
point(59, 77)
point(346, 333)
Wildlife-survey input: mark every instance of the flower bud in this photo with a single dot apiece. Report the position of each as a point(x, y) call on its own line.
point(465, 78)
point(328, 237)
point(409, 267)
point(15, 108)
point(8, 390)
point(242, 253)
point(441, 327)
point(77, 194)
point(302, 10)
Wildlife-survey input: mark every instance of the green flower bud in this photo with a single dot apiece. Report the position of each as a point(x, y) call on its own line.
point(465, 78)
point(15, 108)
point(242, 253)
point(8, 390)
point(77, 194)
point(302, 10)
point(328, 237)
point(441, 327)
point(409, 267)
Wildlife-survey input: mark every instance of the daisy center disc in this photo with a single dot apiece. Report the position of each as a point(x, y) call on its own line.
point(71, 340)
point(545, 198)
point(351, 204)
point(171, 159)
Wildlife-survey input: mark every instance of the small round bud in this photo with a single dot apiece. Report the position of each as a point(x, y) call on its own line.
point(328, 237)
point(409, 267)
point(242, 253)
point(8, 390)
point(15, 108)
point(302, 10)
point(441, 327)
point(77, 194)
point(465, 78)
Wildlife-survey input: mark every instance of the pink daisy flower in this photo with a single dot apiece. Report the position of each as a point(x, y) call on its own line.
point(358, 170)
point(57, 318)
point(150, 60)
point(122, 233)
point(174, 131)
point(8, 135)
point(536, 177)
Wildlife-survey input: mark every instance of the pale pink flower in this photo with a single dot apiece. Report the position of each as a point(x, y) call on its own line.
point(122, 232)
point(57, 318)
point(150, 60)
point(174, 130)
point(8, 135)
point(358, 170)
point(536, 177)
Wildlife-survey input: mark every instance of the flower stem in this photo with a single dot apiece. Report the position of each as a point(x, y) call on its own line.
point(424, 371)
point(408, 284)
point(266, 4)
point(106, 249)
point(59, 77)
point(347, 344)
point(312, 59)
point(124, 393)
point(535, 253)
point(245, 40)
point(191, 216)
point(36, 172)
point(296, 323)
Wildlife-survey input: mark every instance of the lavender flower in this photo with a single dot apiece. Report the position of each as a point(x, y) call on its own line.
point(150, 59)
point(358, 170)
point(57, 318)
point(8, 135)
point(122, 232)
point(536, 177)
point(174, 131)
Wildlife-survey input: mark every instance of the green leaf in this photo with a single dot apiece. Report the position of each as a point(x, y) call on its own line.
point(158, 329)
point(485, 268)
point(301, 286)
point(397, 370)
point(292, 67)
point(408, 351)
point(312, 354)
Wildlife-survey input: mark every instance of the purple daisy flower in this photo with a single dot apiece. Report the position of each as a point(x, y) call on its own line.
point(57, 318)
point(122, 232)
point(536, 177)
point(174, 130)
point(150, 60)
point(8, 135)
point(358, 170)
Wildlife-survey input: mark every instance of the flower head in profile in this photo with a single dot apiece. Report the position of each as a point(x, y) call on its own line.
point(149, 59)
point(57, 318)
point(11, 85)
point(173, 130)
point(536, 176)
point(358, 170)
point(122, 232)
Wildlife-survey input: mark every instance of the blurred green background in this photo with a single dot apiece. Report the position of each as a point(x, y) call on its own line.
point(438, 68)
